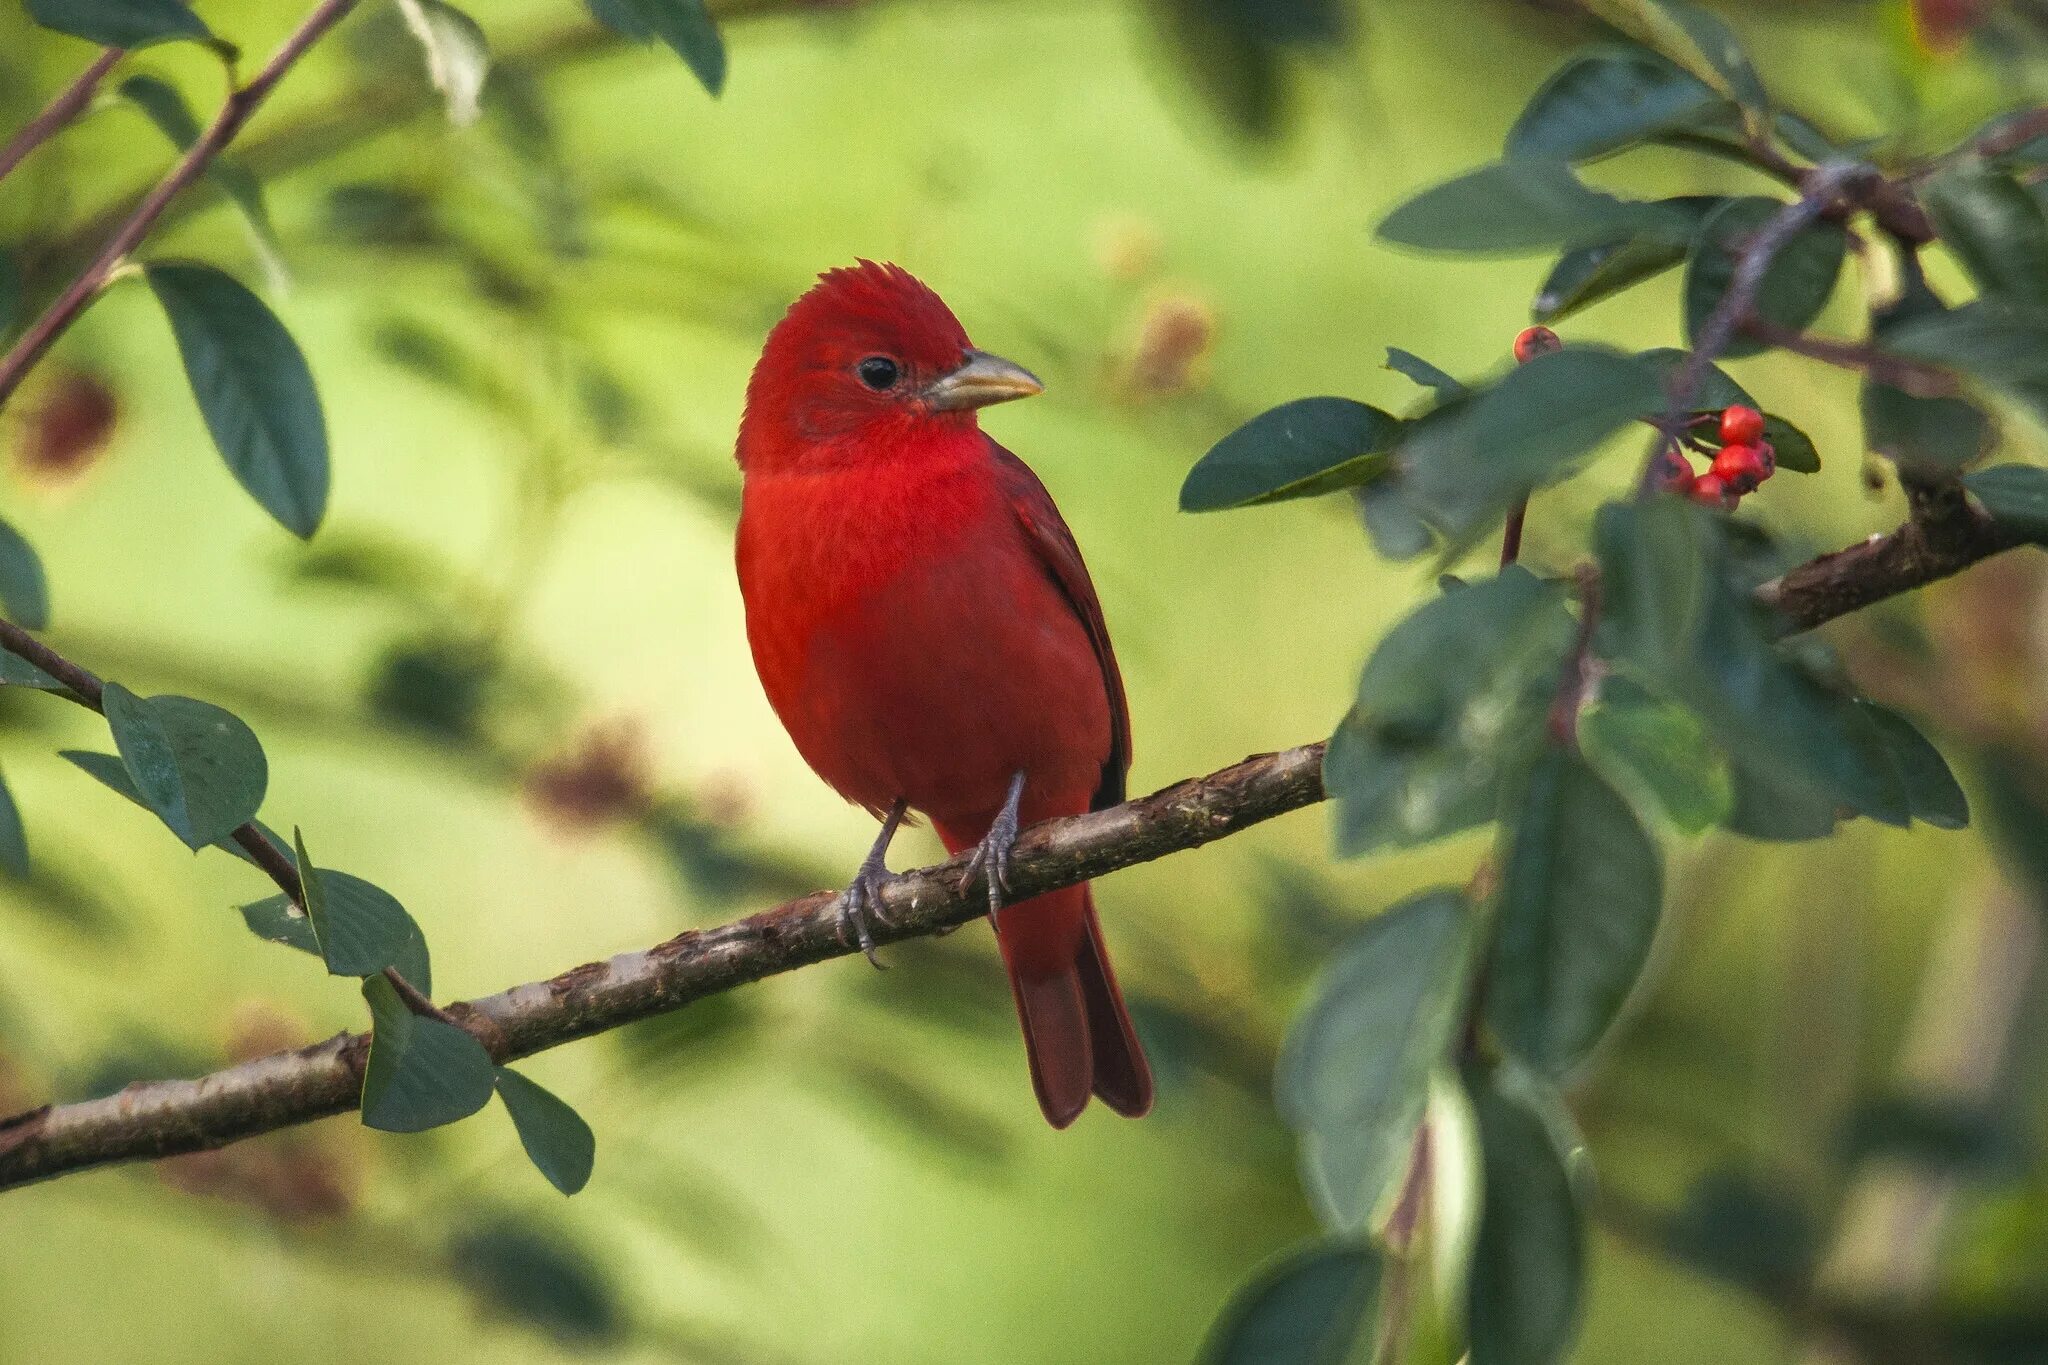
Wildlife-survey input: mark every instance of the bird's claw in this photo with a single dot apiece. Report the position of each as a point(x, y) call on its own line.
point(992, 855)
point(861, 905)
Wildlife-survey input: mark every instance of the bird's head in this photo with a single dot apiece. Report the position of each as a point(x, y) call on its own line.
point(870, 360)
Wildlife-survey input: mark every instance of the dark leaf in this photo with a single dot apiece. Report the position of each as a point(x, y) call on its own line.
point(621, 17)
point(1354, 1073)
point(1795, 449)
point(458, 55)
point(167, 109)
point(1734, 1228)
point(357, 929)
point(557, 1140)
point(2016, 495)
point(1299, 449)
point(16, 671)
point(120, 23)
point(253, 389)
point(422, 1073)
point(1996, 230)
point(1528, 1262)
point(1658, 753)
point(279, 921)
point(1942, 1134)
point(1522, 206)
point(23, 591)
point(1937, 434)
point(530, 1274)
point(1466, 463)
point(1716, 389)
point(197, 766)
point(1422, 372)
point(1933, 795)
point(687, 27)
point(1795, 288)
point(1693, 38)
point(13, 840)
point(1582, 888)
point(1311, 1308)
point(1585, 275)
point(1999, 345)
point(1604, 100)
point(1397, 530)
point(1442, 705)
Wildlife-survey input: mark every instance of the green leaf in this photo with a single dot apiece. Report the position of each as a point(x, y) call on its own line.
point(1659, 755)
point(1310, 1308)
point(1995, 228)
point(1795, 448)
point(1297, 450)
point(10, 291)
point(2002, 346)
point(620, 17)
point(1354, 1073)
point(1442, 705)
point(120, 23)
point(275, 918)
point(23, 591)
point(458, 54)
point(2016, 496)
point(557, 1140)
point(422, 1073)
point(1716, 389)
point(253, 388)
point(1937, 434)
point(1932, 793)
point(13, 839)
point(197, 766)
point(1585, 275)
point(16, 671)
point(1582, 888)
point(167, 109)
point(687, 27)
point(1414, 367)
point(1396, 529)
point(1466, 463)
point(1522, 206)
point(1695, 40)
point(1795, 287)
point(1528, 1262)
point(355, 927)
point(1604, 100)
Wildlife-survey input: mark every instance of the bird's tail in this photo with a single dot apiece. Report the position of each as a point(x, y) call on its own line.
point(1076, 1031)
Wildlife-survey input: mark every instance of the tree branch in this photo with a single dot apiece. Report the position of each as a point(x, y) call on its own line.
point(234, 112)
point(58, 112)
point(163, 1118)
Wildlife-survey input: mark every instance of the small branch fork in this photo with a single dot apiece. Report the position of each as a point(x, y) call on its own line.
point(234, 113)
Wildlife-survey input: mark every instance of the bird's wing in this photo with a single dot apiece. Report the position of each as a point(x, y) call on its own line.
point(1048, 534)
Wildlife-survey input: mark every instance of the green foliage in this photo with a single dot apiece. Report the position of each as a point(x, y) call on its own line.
point(557, 1140)
point(120, 23)
point(254, 390)
point(1604, 100)
point(528, 1273)
point(13, 840)
point(422, 1073)
point(1581, 891)
point(1995, 228)
point(1307, 1309)
point(1443, 704)
point(23, 591)
point(685, 26)
point(1521, 206)
point(1694, 38)
point(1990, 342)
point(1297, 450)
point(1354, 1074)
point(197, 766)
point(1658, 755)
point(1528, 1264)
point(1796, 286)
point(1926, 434)
point(167, 109)
point(1412, 366)
point(458, 55)
point(356, 928)
point(2016, 495)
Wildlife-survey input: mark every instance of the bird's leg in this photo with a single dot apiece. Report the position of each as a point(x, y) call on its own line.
point(862, 899)
point(993, 852)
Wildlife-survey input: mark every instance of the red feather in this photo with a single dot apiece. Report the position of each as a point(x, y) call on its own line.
point(925, 627)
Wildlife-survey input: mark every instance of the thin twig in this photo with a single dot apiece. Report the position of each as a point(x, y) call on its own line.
point(1909, 376)
point(234, 112)
point(60, 111)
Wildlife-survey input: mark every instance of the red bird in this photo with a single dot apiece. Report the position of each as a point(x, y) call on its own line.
point(924, 626)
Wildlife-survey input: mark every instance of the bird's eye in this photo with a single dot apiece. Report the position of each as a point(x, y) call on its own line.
point(878, 372)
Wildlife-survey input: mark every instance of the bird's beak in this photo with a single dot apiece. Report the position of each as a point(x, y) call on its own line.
point(982, 379)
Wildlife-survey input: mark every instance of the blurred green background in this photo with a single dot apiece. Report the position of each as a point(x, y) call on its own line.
point(508, 681)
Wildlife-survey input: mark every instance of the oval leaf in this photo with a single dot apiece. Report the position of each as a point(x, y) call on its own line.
point(1354, 1074)
point(422, 1073)
point(254, 390)
point(2016, 496)
point(120, 23)
point(354, 926)
point(687, 27)
point(1528, 1263)
point(1518, 206)
point(1309, 1309)
point(1658, 753)
point(197, 766)
point(1795, 288)
point(1997, 230)
point(1581, 891)
point(1309, 446)
point(557, 1140)
point(1603, 101)
point(13, 840)
point(23, 591)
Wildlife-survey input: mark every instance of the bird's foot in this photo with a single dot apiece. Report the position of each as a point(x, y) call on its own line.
point(992, 855)
point(860, 905)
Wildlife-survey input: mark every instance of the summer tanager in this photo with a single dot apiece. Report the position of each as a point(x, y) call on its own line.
point(924, 626)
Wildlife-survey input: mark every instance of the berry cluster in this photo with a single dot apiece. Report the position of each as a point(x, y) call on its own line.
point(1744, 460)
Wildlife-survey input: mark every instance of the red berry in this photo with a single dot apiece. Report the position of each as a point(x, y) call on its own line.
point(1769, 455)
point(1535, 341)
point(1741, 467)
point(1671, 472)
point(1710, 491)
point(1741, 425)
